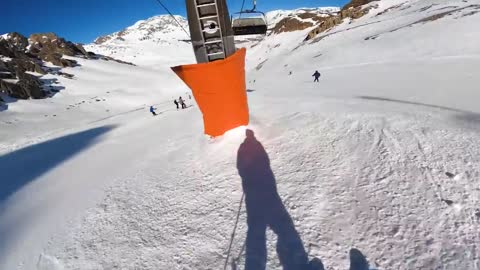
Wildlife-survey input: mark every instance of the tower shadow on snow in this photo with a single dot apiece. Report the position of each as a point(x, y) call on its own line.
point(22, 166)
point(265, 209)
point(468, 117)
point(415, 103)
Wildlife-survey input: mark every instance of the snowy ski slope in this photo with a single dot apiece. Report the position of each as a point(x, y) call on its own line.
point(382, 155)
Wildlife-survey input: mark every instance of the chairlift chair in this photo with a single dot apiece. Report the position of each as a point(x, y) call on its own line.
point(255, 25)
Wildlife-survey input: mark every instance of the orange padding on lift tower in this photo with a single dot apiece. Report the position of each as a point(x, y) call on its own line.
point(220, 91)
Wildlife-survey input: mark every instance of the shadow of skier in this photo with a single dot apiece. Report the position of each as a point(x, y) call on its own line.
point(358, 261)
point(265, 209)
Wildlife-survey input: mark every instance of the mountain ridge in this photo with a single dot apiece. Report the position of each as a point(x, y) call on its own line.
point(166, 25)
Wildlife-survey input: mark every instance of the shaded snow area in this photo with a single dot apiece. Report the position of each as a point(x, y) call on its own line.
point(378, 163)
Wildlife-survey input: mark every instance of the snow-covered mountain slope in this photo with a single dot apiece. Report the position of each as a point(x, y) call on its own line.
point(382, 155)
point(276, 17)
point(157, 40)
point(402, 21)
point(162, 28)
point(161, 38)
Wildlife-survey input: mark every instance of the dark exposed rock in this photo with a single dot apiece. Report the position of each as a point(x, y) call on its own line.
point(301, 20)
point(26, 86)
point(18, 41)
point(11, 88)
point(49, 43)
point(3, 66)
point(66, 75)
point(357, 3)
point(353, 10)
point(291, 24)
point(22, 65)
point(389, 9)
point(108, 58)
point(6, 75)
point(326, 24)
point(51, 48)
point(15, 80)
point(57, 60)
point(82, 50)
point(6, 49)
point(32, 88)
point(5, 72)
point(103, 39)
point(450, 175)
point(22, 55)
point(448, 202)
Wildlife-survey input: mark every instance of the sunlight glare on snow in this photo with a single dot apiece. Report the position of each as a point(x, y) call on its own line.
point(235, 133)
point(230, 140)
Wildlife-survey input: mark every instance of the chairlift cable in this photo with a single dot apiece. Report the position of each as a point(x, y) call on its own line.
point(160, 2)
point(243, 5)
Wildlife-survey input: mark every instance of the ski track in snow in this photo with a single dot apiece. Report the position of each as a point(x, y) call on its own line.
point(370, 188)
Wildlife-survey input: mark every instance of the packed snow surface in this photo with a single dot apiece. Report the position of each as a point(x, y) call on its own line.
point(382, 155)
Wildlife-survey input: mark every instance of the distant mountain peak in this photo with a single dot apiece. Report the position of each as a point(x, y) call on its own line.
point(154, 28)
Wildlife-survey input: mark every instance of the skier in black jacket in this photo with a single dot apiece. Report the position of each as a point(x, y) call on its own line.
point(316, 75)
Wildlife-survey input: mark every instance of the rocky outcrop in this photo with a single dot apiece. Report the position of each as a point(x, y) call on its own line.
point(21, 56)
point(102, 39)
point(291, 24)
point(47, 43)
point(14, 79)
point(17, 41)
point(302, 19)
point(321, 21)
point(27, 87)
point(353, 10)
point(357, 4)
point(324, 26)
point(51, 48)
point(57, 60)
point(11, 50)
point(154, 28)
point(22, 65)
point(108, 58)
point(17, 83)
